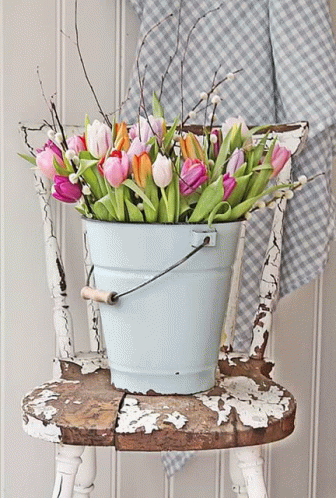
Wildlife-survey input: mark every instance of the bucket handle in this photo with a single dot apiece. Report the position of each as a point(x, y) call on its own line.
point(112, 297)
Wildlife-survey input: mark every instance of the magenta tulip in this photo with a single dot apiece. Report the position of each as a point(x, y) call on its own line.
point(193, 174)
point(116, 168)
point(280, 157)
point(45, 159)
point(229, 183)
point(65, 191)
point(236, 160)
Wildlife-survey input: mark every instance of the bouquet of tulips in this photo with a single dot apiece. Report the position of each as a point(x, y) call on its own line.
point(152, 172)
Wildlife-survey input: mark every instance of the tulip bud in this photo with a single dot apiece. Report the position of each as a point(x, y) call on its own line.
point(193, 174)
point(45, 159)
point(65, 191)
point(230, 122)
point(280, 156)
point(162, 171)
point(116, 168)
point(142, 167)
point(229, 183)
point(98, 139)
point(236, 160)
point(76, 144)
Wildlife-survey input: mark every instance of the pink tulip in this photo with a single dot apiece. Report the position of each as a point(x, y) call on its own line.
point(236, 160)
point(230, 122)
point(66, 191)
point(280, 156)
point(144, 130)
point(76, 143)
point(229, 183)
point(162, 171)
point(98, 139)
point(116, 168)
point(137, 148)
point(45, 158)
point(193, 174)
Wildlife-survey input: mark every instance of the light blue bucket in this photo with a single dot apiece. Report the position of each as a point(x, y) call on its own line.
point(164, 337)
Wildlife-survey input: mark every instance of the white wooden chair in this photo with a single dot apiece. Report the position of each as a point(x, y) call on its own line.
point(79, 410)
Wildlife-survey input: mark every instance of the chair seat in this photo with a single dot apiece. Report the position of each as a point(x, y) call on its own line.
point(244, 408)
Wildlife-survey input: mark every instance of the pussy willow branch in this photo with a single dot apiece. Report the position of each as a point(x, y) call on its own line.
point(172, 57)
point(105, 116)
point(208, 97)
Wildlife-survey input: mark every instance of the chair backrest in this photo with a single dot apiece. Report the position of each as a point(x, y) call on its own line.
point(291, 136)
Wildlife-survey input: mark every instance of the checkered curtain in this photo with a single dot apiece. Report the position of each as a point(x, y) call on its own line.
point(287, 53)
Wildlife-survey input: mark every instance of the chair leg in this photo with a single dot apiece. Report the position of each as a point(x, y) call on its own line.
point(67, 463)
point(251, 464)
point(236, 474)
point(86, 474)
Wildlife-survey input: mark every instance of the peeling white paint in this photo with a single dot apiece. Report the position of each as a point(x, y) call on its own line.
point(77, 402)
point(89, 362)
point(233, 356)
point(252, 405)
point(131, 418)
point(176, 419)
point(35, 428)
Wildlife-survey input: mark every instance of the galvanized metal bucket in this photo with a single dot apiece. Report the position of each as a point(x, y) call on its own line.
point(165, 336)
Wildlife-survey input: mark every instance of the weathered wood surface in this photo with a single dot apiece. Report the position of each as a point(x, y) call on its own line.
point(244, 408)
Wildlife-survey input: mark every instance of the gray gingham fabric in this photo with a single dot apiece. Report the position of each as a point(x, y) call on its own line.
point(287, 53)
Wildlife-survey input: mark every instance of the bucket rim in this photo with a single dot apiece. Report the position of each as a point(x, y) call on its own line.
point(169, 224)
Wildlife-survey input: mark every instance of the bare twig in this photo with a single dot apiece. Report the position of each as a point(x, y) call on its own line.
point(172, 57)
point(105, 116)
point(44, 97)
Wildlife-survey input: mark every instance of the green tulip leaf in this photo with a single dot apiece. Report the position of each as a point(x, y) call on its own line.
point(259, 180)
point(119, 196)
point(220, 213)
point(170, 134)
point(133, 186)
point(224, 151)
point(134, 212)
point(211, 196)
point(158, 111)
point(151, 191)
point(239, 190)
point(109, 205)
point(163, 215)
point(241, 171)
point(59, 169)
point(30, 159)
point(101, 212)
point(92, 180)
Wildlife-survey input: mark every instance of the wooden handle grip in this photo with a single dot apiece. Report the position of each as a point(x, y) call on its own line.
point(98, 295)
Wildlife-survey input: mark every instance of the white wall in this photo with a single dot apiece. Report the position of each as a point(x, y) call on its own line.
point(300, 467)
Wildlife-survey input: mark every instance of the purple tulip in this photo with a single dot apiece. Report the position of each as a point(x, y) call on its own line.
point(45, 159)
point(216, 145)
point(231, 122)
point(66, 191)
point(193, 174)
point(144, 130)
point(280, 156)
point(116, 168)
point(236, 160)
point(76, 143)
point(229, 183)
point(137, 148)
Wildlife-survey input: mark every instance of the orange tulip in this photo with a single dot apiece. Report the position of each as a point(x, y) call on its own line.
point(142, 167)
point(122, 141)
point(191, 148)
